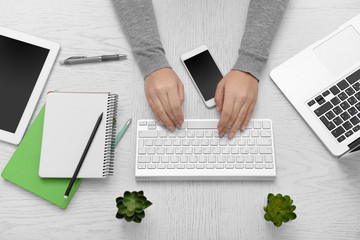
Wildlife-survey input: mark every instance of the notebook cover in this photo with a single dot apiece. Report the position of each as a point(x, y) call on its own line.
point(23, 168)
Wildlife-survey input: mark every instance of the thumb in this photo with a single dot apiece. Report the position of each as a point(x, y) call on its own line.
point(219, 96)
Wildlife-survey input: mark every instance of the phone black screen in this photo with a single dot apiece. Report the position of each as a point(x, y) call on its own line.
point(205, 73)
point(20, 66)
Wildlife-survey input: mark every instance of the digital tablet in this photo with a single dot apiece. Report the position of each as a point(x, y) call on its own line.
point(25, 64)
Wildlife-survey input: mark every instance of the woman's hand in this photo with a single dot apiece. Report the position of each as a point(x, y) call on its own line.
point(235, 98)
point(165, 95)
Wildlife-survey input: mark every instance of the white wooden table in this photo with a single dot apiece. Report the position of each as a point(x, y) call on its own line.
point(325, 190)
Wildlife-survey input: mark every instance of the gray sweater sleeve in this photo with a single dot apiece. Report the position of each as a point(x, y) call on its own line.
point(138, 22)
point(262, 21)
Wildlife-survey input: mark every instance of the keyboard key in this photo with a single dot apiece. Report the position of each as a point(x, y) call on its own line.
point(202, 124)
point(239, 166)
point(312, 102)
point(344, 105)
point(323, 109)
point(338, 131)
point(269, 166)
point(349, 133)
point(327, 92)
point(320, 100)
point(266, 124)
point(268, 159)
point(352, 111)
point(342, 96)
point(210, 166)
point(352, 100)
point(334, 90)
point(265, 133)
point(330, 115)
point(257, 124)
point(340, 139)
point(265, 150)
point(342, 84)
point(148, 134)
point(357, 95)
point(249, 165)
point(338, 121)
point(354, 120)
point(337, 110)
point(353, 77)
point(350, 91)
point(357, 106)
point(264, 142)
point(345, 116)
point(219, 166)
point(347, 125)
point(141, 166)
point(142, 123)
point(356, 128)
point(335, 101)
point(229, 166)
point(144, 159)
point(356, 86)
point(328, 125)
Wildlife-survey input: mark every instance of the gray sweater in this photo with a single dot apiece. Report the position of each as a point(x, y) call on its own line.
point(138, 21)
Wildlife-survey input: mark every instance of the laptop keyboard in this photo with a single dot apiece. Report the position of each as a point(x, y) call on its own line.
point(339, 108)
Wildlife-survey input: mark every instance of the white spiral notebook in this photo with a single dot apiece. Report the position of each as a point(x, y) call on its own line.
point(69, 120)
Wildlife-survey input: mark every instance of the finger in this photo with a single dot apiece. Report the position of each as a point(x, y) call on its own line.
point(162, 114)
point(248, 116)
point(232, 120)
point(219, 96)
point(227, 110)
point(176, 108)
point(181, 92)
point(156, 114)
point(165, 103)
point(243, 112)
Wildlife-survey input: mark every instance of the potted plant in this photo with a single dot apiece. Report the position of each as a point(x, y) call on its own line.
point(279, 209)
point(131, 206)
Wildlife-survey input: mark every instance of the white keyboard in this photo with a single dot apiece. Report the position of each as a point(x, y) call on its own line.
point(196, 152)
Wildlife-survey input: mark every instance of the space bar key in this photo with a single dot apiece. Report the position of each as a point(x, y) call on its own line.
point(202, 124)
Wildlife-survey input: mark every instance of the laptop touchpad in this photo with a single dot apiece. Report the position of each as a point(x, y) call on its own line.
point(341, 51)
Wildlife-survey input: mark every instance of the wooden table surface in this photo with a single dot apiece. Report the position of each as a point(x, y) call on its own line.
point(325, 190)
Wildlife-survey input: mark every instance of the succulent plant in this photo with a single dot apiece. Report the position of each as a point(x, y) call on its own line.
point(279, 209)
point(131, 206)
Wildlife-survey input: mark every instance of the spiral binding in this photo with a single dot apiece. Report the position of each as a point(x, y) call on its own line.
point(108, 166)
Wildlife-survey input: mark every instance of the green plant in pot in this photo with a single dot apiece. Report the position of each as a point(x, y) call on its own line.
point(279, 209)
point(131, 206)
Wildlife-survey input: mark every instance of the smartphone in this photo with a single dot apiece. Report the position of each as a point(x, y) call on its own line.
point(204, 73)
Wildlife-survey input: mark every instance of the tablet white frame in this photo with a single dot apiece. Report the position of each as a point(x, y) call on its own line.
point(211, 102)
point(54, 48)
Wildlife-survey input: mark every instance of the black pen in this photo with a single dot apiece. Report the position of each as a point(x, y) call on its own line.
point(83, 59)
point(83, 156)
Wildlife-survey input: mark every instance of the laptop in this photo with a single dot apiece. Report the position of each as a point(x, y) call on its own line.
point(323, 83)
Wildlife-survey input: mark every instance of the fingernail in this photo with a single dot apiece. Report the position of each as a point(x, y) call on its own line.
point(178, 125)
point(171, 128)
point(243, 128)
point(231, 135)
point(221, 134)
point(217, 108)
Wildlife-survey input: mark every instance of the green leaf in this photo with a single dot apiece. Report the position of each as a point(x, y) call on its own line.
point(147, 204)
point(287, 198)
point(126, 194)
point(119, 199)
point(278, 195)
point(267, 217)
point(270, 196)
point(285, 218)
point(278, 224)
point(122, 209)
point(129, 213)
point(141, 193)
point(129, 219)
point(127, 201)
point(140, 214)
point(137, 210)
point(265, 209)
point(120, 203)
point(119, 215)
point(292, 208)
point(142, 199)
point(134, 195)
point(291, 201)
point(292, 216)
point(137, 220)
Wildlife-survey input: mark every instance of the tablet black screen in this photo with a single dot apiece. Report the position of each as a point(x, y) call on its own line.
point(20, 66)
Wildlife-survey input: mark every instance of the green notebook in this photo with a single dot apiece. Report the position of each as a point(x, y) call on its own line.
point(23, 168)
